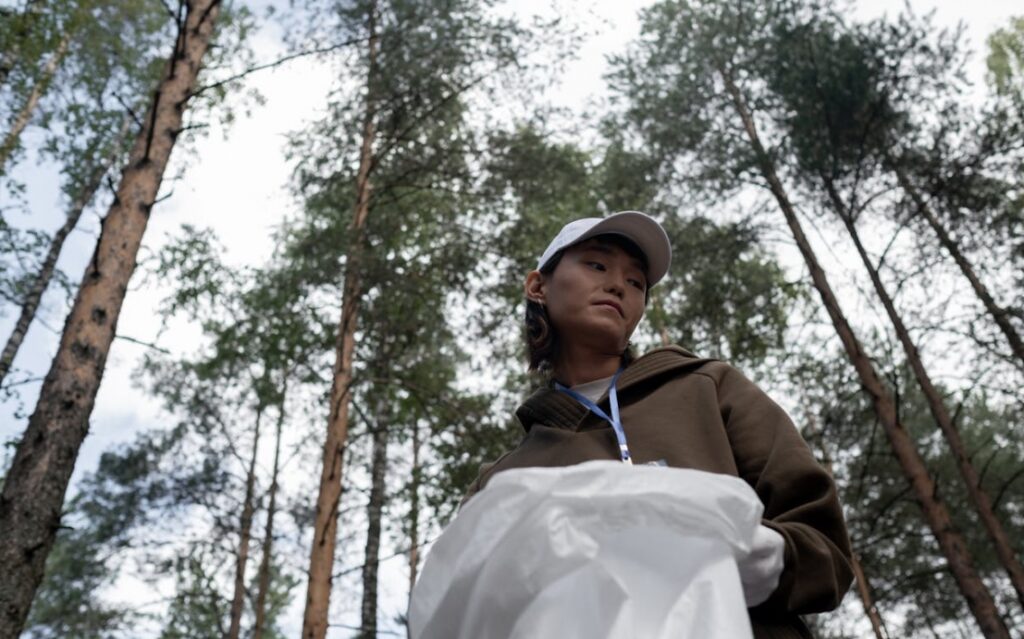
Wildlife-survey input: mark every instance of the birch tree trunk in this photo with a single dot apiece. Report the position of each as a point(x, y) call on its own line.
point(325, 524)
point(35, 294)
point(979, 498)
point(998, 314)
point(263, 577)
point(378, 469)
point(24, 116)
point(954, 547)
point(33, 491)
point(244, 535)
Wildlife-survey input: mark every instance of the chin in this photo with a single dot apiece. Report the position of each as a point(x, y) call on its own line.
point(604, 335)
point(612, 343)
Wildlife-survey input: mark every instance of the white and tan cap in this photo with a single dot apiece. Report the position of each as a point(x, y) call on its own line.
point(637, 226)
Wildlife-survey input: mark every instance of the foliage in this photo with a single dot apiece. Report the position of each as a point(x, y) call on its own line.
point(69, 603)
point(866, 107)
point(199, 607)
point(126, 491)
point(1005, 60)
point(115, 53)
point(422, 246)
point(461, 205)
point(21, 252)
point(901, 560)
point(727, 296)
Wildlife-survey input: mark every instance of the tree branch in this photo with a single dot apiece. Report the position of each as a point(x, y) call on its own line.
point(142, 343)
point(276, 63)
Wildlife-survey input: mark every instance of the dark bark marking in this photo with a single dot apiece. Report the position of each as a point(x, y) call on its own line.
point(83, 351)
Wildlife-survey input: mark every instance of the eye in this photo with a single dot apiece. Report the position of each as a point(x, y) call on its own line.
point(637, 283)
point(599, 266)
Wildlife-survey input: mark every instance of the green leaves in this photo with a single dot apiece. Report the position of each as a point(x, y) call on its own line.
point(902, 563)
point(726, 296)
point(1005, 59)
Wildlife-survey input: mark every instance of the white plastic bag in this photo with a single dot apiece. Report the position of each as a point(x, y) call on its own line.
point(601, 549)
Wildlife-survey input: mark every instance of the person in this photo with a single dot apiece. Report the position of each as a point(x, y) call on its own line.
point(672, 408)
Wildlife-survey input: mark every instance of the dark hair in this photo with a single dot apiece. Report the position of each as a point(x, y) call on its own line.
point(542, 342)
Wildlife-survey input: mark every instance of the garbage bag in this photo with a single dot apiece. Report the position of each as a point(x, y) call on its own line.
point(601, 549)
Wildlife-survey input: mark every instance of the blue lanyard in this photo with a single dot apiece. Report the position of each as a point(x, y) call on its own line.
point(614, 420)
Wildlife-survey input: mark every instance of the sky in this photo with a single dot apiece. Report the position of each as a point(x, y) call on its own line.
point(236, 183)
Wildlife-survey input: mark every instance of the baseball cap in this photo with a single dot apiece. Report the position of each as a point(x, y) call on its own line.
point(639, 227)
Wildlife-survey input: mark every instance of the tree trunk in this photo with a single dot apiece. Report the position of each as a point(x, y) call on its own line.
point(268, 534)
point(42, 281)
point(325, 524)
point(861, 579)
point(952, 543)
point(866, 598)
point(414, 517)
point(657, 316)
point(378, 469)
point(998, 314)
point(979, 498)
point(33, 492)
point(23, 117)
point(245, 534)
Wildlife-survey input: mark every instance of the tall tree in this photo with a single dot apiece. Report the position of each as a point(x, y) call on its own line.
point(267, 549)
point(959, 166)
point(1000, 315)
point(413, 520)
point(416, 63)
point(325, 531)
point(816, 437)
point(714, 54)
point(837, 88)
point(24, 114)
point(34, 488)
point(81, 194)
point(906, 568)
point(380, 429)
point(245, 531)
point(261, 333)
point(79, 73)
point(85, 122)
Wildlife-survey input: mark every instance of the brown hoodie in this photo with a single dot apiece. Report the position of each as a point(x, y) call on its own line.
point(699, 413)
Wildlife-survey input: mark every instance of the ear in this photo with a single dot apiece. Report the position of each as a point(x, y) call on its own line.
point(535, 285)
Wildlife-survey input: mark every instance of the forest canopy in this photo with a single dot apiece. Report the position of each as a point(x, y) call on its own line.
point(261, 275)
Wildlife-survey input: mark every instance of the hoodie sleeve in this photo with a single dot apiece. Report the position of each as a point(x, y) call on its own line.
point(799, 497)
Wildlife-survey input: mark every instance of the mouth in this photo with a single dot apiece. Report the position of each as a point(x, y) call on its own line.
point(612, 305)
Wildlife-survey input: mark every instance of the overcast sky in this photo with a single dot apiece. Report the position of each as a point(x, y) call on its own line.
point(235, 184)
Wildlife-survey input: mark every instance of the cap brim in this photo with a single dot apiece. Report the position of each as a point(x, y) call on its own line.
point(645, 232)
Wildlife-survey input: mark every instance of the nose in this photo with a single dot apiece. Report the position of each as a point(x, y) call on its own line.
point(615, 285)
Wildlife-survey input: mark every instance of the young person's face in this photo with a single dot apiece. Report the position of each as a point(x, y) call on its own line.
point(595, 295)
